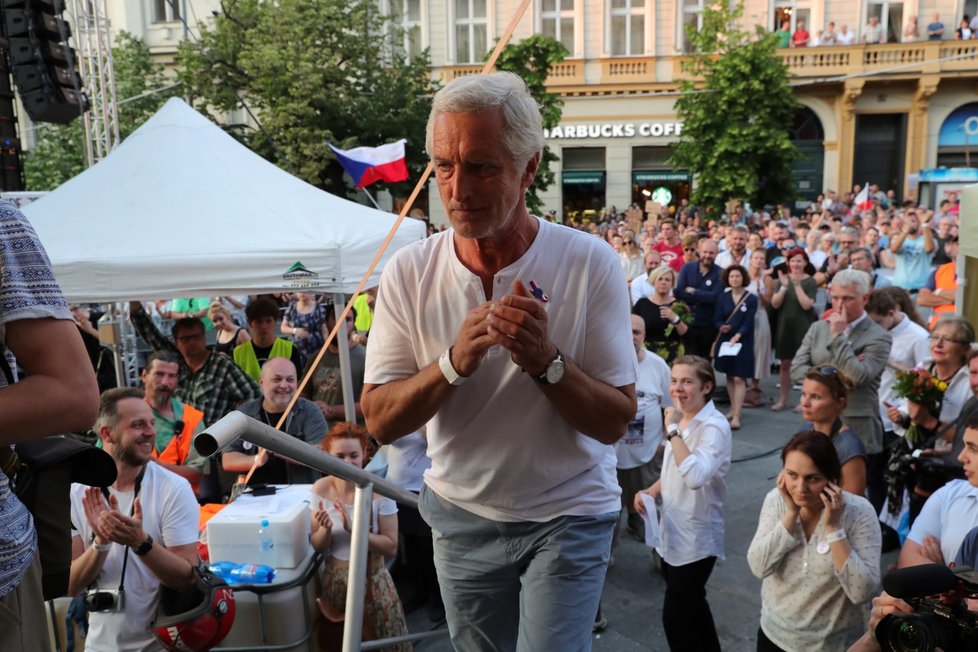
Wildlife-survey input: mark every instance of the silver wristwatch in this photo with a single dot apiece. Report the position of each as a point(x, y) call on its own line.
point(554, 371)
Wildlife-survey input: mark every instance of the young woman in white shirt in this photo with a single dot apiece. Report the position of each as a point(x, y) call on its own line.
point(693, 490)
point(332, 521)
point(816, 550)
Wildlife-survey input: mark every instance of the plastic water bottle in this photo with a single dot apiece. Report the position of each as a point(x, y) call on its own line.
point(266, 545)
point(233, 573)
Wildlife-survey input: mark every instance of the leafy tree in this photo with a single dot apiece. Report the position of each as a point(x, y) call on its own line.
point(312, 71)
point(531, 59)
point(59, 153)
point(736, 107)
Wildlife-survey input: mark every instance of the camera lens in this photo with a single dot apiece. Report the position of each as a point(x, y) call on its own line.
point(99, 601)
point(913, 633)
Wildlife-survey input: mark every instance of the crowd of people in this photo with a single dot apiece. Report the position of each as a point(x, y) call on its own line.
point(494, 363)
point(874, 34)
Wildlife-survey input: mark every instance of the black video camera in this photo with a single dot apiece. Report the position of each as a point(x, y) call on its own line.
point(940, 620)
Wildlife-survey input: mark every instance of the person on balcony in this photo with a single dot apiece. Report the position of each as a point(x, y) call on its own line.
point(911, 32)
point(845, 37)
point(784, 34)
point(935, 29)
point(801, 37)
point(830, 35)
point(873, 33)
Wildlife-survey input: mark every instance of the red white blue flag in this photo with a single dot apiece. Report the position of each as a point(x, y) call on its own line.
point(367, 165)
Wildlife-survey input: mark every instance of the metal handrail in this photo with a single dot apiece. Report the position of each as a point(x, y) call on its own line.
point(237, 425)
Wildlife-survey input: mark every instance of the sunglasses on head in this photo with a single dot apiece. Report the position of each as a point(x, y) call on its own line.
point(827, 371)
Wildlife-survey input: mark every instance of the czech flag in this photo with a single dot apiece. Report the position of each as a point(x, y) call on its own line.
point(367, 165)
point(863, 201)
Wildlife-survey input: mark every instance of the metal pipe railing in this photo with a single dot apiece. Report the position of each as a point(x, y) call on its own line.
point(236, 424)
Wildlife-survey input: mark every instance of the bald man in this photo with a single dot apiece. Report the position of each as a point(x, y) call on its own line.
point(278, 383)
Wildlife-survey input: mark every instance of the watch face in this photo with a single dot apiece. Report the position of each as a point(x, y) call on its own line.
point(555, 371)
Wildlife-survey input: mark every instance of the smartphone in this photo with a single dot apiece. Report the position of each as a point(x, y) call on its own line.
point(885, 404)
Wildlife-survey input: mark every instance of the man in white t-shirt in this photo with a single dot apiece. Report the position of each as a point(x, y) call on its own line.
point(507, 336)
point(143, 536)
point(639, 454)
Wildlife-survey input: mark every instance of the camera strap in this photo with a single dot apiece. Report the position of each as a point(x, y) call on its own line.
point(132, 510)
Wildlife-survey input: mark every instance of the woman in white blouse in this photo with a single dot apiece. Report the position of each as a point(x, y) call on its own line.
point(693, 490)
point(817, 550)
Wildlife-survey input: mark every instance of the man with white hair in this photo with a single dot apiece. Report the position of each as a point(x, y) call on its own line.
point(508, 336)
point(849, 340)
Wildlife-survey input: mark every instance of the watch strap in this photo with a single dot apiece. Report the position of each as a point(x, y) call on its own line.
point(673, 431)
point(144, 547)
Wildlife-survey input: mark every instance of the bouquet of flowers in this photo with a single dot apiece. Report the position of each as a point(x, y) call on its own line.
point(923, 388)
point(683, 312)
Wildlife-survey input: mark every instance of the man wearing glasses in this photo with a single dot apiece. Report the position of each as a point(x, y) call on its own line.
point(209, 381)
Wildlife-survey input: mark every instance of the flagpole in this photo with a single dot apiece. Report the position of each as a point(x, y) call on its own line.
point(371, 198)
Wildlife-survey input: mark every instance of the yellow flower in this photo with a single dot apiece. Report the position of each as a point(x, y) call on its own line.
point(941, 385)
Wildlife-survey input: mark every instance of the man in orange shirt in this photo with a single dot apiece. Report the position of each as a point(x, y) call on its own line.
point(942, 285)
point(176, 422)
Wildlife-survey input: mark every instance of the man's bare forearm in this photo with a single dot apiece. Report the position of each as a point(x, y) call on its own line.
point(400, 407)
point(590, 406)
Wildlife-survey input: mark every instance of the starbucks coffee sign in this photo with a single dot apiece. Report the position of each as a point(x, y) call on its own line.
point(615, 130)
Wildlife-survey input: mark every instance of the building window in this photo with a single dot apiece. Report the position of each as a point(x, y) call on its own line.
point(557, 21)
point(890, 15)
point(471, 31)
point(166, 11)
point(692, 18)
point(627, 27)
point(406, 17)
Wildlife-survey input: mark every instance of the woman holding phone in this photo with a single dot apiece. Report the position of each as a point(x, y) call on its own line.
point(816, 550)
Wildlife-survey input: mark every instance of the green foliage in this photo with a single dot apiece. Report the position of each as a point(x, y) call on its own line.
point(736, 107)
point(531, 59)
point(59, 153)
point(312, 71)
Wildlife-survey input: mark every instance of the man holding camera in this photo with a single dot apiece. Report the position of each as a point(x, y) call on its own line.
point(141, 535)
point(949, 514)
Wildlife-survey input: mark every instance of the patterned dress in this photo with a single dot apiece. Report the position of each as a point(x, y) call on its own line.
point(313, 323)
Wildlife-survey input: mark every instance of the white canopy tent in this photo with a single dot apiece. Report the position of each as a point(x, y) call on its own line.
point(181, 209)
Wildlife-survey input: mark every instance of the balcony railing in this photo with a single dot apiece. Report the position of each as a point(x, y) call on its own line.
point(891, 59)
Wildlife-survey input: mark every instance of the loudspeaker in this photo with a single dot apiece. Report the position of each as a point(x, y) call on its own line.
point(32, 76)
point(54, 104)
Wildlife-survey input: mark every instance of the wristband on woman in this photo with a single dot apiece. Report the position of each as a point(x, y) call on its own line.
point(838, 535)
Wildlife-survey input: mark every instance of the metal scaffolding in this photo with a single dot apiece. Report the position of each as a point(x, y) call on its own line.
point(93, 42)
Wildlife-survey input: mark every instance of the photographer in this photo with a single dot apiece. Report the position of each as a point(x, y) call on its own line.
point(949, 514)
point(142, 536)
point(883, 605)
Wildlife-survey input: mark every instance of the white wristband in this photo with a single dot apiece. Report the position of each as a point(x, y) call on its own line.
point(101, 547)
point(448, 371)
point(838, 535)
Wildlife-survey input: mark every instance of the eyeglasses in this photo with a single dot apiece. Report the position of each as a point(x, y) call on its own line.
point(940, 339)
point(827, 371)
point(688, 249)
point(847, 242)
point(629, 241)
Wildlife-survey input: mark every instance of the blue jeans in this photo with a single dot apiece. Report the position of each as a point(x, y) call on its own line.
point(522, 586)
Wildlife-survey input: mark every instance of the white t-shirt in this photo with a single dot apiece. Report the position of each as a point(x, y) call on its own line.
point(498, 447)
point(911, 347)
point(339, 538)
point(645, 431)
point(407, 460)
point(171, 516)
point(948, 515)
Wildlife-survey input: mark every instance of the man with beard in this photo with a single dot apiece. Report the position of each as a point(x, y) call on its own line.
point(176, 422)
point(736, 252)
point(140, 534)
point(305, 421)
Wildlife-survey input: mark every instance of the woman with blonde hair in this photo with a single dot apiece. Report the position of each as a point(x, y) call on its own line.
point(229, 334)
point(663, 327)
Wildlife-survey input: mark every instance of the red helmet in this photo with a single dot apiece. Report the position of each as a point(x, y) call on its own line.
point(197, 619)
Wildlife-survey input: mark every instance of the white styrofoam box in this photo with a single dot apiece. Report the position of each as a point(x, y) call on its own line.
point(232, 533)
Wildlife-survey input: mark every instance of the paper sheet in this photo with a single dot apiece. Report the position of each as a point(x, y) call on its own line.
point(728, 349)
point(651, 521)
